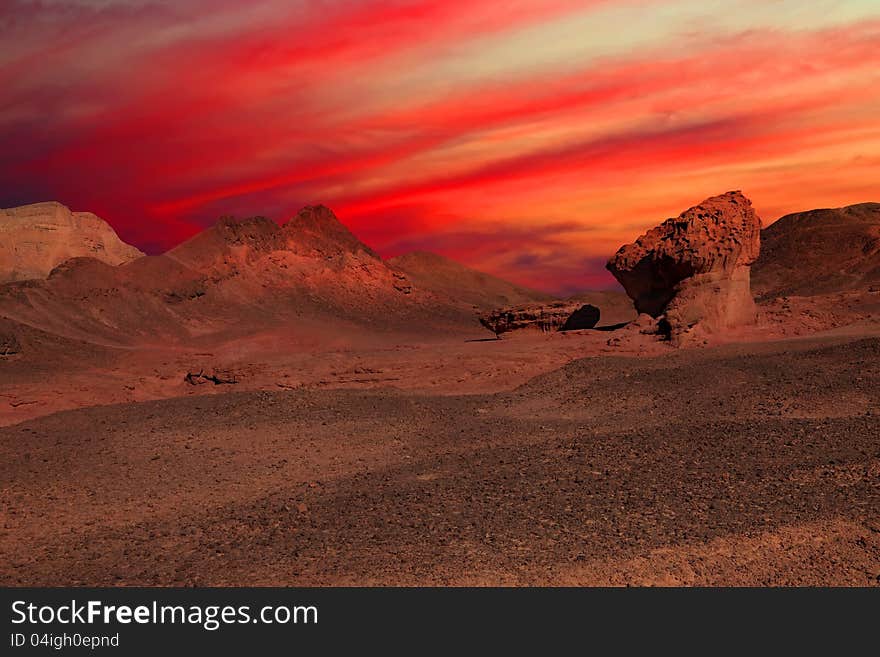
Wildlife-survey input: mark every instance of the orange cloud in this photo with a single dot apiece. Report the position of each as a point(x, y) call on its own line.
point(163, 117)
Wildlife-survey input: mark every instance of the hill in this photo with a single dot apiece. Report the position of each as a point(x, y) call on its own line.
point(819, 251)
point(448, 278)
point(233, 279)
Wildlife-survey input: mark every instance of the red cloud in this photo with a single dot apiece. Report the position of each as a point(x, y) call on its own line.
point(162, 117)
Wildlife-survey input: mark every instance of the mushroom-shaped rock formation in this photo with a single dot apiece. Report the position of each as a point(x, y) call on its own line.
point(693, 271)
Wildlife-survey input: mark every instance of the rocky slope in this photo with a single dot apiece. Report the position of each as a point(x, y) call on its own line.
point(34, 239)
point(819, 252)
point(313, 260)
point(448, 278)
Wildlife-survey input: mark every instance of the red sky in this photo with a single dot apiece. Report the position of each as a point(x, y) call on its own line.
point(527, 138)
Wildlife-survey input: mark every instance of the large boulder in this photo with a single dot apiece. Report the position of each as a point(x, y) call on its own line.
point(34, 239)
point(556, 316)
point(692, 272)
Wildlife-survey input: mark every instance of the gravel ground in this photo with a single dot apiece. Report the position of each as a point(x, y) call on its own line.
point(734, 465)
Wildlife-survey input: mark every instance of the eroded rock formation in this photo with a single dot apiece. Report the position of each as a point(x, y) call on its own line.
point(692, 272)
point(34, 239)
point(558, 316)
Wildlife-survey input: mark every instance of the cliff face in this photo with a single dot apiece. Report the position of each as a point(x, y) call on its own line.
point(34, 239)
point(695, 269)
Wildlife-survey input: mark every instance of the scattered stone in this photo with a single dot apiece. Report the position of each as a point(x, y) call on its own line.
point(9, 344)
point(645, 324)
point(217, 377)
point(401, 283)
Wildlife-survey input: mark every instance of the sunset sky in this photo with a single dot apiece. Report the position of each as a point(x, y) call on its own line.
point(527, 138)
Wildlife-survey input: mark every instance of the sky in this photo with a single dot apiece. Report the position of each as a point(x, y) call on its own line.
point(526, 138)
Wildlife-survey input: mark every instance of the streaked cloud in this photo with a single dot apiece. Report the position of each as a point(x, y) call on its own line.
point(529, 140)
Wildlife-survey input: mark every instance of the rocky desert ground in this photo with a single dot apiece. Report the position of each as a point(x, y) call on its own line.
point(277, 405)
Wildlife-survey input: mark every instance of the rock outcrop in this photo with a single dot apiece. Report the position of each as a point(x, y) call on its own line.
point(558, 316)
point(693, 272)
point(34, 239)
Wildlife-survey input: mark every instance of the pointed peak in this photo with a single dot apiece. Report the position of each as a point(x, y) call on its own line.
point(316, 219)
point(317, 227)
point(319, 213)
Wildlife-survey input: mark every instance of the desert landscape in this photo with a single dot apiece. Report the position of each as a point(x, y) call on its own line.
point(276, 404)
